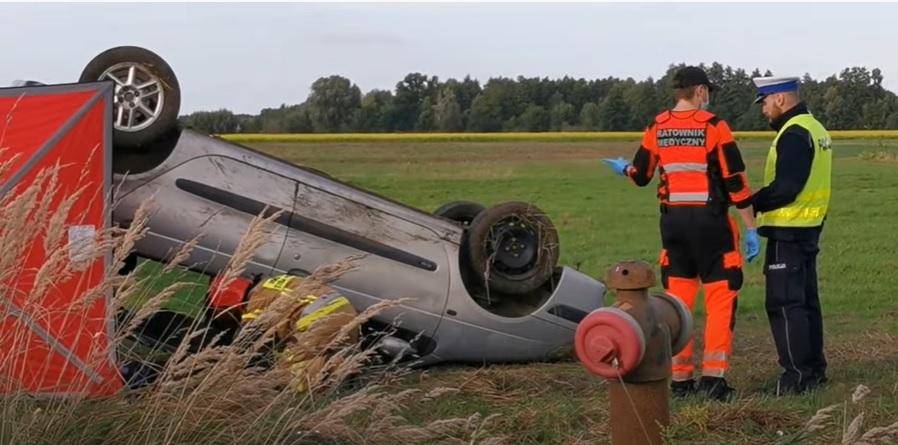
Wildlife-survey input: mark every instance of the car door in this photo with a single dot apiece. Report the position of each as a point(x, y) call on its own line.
point(212, 198)
point(394, 258)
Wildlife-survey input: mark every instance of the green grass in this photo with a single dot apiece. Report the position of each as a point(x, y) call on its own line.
point(551, 136)
point(603, 219)
point(187, 301)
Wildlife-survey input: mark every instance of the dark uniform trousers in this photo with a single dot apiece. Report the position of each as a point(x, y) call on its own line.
point(793, 308)
point(696, 240)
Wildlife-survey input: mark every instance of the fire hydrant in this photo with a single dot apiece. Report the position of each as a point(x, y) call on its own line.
point(631, 344)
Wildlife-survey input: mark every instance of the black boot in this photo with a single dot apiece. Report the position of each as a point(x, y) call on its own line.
point(787, 386)
point(682, 388)
point(814, 382)
point(716, 388)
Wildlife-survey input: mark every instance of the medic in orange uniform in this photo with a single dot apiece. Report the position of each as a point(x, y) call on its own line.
point(701, 174)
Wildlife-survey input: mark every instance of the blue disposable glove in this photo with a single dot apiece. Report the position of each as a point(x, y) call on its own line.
point(752, 245)
point(619, 165)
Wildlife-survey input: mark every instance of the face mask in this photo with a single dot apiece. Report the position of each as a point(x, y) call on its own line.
point(705, 104)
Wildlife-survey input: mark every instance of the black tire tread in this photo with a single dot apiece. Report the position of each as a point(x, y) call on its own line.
point(140, 140)
point(479, 231)
point(460, 211)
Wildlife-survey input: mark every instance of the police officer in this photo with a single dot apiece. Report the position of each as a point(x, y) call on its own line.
point(701, 174)
point(792, 206)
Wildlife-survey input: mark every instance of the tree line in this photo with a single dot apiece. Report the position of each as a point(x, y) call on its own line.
point(853, 99)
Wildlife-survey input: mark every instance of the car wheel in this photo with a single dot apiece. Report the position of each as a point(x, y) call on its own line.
point(513, 246)
point(147, 96)
point(460, 211)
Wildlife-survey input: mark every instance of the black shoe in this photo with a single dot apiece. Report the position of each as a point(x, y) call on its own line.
point(716, 388)
point(787, 388)
point(683, 388)
point(790, 387)
point(817, 380)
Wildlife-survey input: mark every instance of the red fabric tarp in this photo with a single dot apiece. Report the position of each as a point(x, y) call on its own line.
point(57, 342)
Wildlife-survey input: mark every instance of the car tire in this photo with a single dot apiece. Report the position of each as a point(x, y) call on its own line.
point(513, 247)
point(147, 95)
point(462, 212)
point(148, 157)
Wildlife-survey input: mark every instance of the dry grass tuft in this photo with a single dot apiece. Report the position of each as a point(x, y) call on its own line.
point(879, 435)
point(822, 419)
point(205, 391)
point(819, 428)
point(859, 393)
point(854, 429)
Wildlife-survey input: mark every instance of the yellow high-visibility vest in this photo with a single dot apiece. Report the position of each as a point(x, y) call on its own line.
point(812, 203)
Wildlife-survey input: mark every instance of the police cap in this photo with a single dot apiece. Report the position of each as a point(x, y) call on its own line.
point(771, 85)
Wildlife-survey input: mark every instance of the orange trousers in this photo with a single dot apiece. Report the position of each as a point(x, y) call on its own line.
point(701, 249)
point(720, 304)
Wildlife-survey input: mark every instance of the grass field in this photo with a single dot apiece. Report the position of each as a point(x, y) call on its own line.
point(601, 220)
point(553, 136)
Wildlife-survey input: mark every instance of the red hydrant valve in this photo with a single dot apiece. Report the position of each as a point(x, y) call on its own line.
point(631, 344)
point(609, 342)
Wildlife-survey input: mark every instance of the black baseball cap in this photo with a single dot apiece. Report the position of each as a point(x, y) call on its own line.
point(691, 76)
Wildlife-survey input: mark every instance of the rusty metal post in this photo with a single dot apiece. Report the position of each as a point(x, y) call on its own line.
point(639, 400)
point(631, 344)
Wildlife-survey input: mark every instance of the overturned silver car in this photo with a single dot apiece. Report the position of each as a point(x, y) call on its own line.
point(482, 284)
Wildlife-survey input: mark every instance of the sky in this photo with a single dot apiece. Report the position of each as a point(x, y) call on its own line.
point(245, 57)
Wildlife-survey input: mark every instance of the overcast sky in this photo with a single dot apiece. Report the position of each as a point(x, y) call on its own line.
point(245, 57)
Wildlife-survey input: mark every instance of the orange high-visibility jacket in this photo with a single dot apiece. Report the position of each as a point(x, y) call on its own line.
point(697, 159)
